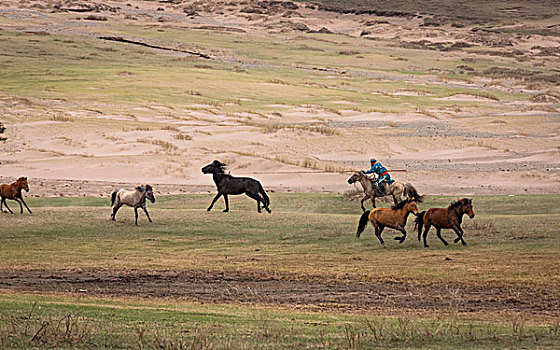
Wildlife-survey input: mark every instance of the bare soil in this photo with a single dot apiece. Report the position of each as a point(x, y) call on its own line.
point(317, 294)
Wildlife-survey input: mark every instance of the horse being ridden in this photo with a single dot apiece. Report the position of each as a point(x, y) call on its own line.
point(135, 199)
point(450, 217)
point(396, 189)
point(228, 184)
point(13, 192)
point(394, 217)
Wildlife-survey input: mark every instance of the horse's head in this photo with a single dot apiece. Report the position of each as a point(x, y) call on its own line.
point(412, 207)
point(22, 183)
point(355, 177)
point(467, 207)
point(150, 193)
point(214, 167)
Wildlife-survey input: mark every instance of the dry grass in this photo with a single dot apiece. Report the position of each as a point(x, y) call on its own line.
point(61, 118)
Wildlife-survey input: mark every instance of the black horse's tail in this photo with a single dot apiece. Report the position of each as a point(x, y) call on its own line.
point(113, 197)
point(419, 223)
point(411, 193)
point(266, 200)
point(363, 222)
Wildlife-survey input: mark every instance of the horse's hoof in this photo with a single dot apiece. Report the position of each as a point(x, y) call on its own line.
point(426, 246)
point(208, 209)
point(225, 210)
point(464, 243)
point(398, 238)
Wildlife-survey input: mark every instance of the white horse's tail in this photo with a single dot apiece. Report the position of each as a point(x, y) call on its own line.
point(412, 193)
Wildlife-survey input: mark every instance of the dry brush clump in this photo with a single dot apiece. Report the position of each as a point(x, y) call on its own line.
point(2, 129)
point(34, 330)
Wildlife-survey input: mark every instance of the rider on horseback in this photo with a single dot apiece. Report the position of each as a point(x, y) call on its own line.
point(383, 177)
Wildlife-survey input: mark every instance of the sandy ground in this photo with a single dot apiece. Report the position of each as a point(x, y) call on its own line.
point(441, 152)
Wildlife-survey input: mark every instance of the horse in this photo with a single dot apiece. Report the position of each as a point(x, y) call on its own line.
point(13, 192)
point(394, 217)
point(135, 199)
point(230, 185)
point(450, 217)
point(396, 189)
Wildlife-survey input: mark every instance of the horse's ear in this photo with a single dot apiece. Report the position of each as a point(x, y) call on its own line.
point(148, 188)
point(139, 188)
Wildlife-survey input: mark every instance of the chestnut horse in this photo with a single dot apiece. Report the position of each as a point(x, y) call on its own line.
point(394, 217)
point(450, 217)
point(13, 192)
point(396, 190)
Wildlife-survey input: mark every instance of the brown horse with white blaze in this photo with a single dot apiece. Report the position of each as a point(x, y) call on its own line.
point(449, 218)
point(394, 217)
point(13, 192)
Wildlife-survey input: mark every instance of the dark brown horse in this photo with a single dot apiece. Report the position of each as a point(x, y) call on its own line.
point(228, 184)
point(394, 217)
point(13, 192)
point(450, 217)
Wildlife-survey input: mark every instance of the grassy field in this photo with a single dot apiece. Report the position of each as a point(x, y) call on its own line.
point(307, 241)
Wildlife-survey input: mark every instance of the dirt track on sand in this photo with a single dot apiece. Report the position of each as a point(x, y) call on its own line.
point(244, 288)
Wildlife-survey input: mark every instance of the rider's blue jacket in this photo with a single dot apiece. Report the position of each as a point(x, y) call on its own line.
point(378, 169)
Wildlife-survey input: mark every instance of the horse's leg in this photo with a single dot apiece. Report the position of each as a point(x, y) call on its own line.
point(426, 229)
point(438, 234)
point(214, 201)
point(227, 203)
point(378, 231)
point(395, 200)
point(29, 210)
point(136, 216)
point(403, 237)
point(256, 197)
point(2, 204)
point(145, 211)
point(115, 209)
point(363, 200)
point(459, 231)
point(6, 204)
point(373, 202)
point(20, 206)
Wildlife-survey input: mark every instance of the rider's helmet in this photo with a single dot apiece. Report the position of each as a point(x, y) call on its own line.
point(373, 160)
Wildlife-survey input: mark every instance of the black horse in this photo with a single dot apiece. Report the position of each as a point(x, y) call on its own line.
point(228, 184)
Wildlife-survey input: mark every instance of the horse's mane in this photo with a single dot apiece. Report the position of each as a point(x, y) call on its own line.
point(459, 203)
point(401, 204)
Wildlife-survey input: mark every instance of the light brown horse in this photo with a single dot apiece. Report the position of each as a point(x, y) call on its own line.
point(396, 189)
point(394, 217)
point(13, 192)
point(450, 217)
point(135, 199)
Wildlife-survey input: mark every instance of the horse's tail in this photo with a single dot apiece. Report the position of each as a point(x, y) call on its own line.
point(113, 197)
point(411, 193)
point(363, 222)
point(266, 200)
point(419, 223)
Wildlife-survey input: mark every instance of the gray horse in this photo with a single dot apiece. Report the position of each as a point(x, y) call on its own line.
point(396, 189)
point(135, 199)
